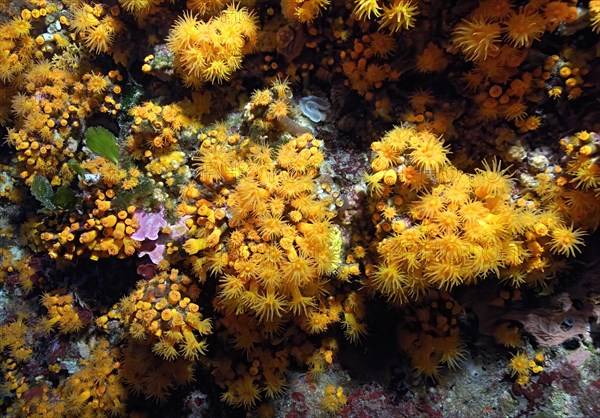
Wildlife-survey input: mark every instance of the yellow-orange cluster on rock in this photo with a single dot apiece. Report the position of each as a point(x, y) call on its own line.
point(270, 109)
point(144, 372)
point(439, 227)
point(162, 312)
point(496, 37)
point(333, 399)
point(261, 227)
point(96, 389)
point(303, 11)
point(573, 189)
point(211, 51)
point(522, 365)
point(494, 31)
point(261, 371)
point(95, 26)
point(561, 75)
point(24, 41)
point(155, 128)
point(52, 104)
point(364, 65)
point(13, 379)
point(262, 224)
point(61, 312)
point(594, 6)
point(101, 233)
point(428, 113)
point(17, 47)
point(394, 15)
point(431, 337)
point(282, 240)
point(15, 337)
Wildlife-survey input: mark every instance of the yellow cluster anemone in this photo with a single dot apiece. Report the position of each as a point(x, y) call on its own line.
point(156, 128)
point(318, 359)
point(140, 8)
point(23, 41)
point(167, 164)
point(333, 399)
point(431, 337)
point(214, 161)
point(477, 39)
point(523, 27)
point(365, 67)
point(508, 334)
point(17, 48)
point(270, 109)
point(303, 11)
point(502, 90)
point(42, 126)
point(14, 338)
point(13, 379)
point(353, 322)
point(146, 373)
point(399, 15)
point(95, 27)
point(163, 313)
point(522, 365)
point(281, 238)
point(263, 249)
point(260, 221)
point(564, 78)
point(574, 190)
point(206, 7)
point(261, 370)
point(432, 59)
point(101, 233)
point(428, 113)
point(212, 51)
point(496, 36)
point(394, 15)
point(442, 227)
point(96, 388)
point(363, 9)
point(8, 186)
point(61, 312)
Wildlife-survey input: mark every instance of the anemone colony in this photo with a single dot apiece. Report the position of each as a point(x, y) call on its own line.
point(210, 195)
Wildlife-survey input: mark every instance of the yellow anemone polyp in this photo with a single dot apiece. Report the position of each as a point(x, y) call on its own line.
point(88, 237)
point(194, 245)
point(109, 221)
point(166, 315)
point(119, 231)
point(390, 177)
point(173, 297)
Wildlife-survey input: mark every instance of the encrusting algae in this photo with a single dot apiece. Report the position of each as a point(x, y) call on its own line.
point(220, 204)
